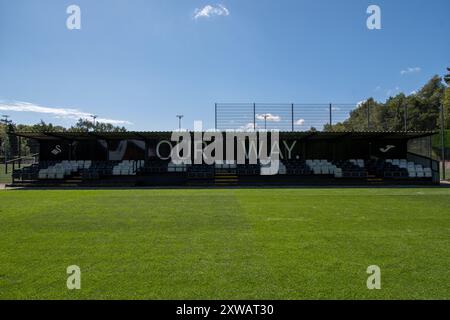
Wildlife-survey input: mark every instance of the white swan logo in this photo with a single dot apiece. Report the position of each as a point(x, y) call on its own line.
point(57, 150)
point(389, 147)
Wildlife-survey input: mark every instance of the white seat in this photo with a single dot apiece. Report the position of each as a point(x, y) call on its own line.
point(42, 174)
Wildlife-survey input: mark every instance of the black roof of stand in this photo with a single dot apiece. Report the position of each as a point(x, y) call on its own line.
point(154, 135)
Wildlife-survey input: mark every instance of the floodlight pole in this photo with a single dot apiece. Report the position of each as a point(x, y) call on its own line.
point(5, 120)
point(94, 117)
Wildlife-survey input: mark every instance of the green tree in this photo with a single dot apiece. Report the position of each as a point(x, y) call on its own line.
point(446, 102)
point(422, 111)
point(84, 125)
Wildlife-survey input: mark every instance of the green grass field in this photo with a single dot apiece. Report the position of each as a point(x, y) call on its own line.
point(7, 177)
point(4, 178)
point(225, 244)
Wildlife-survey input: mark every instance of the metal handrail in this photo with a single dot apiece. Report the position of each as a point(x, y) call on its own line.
point(19, 161)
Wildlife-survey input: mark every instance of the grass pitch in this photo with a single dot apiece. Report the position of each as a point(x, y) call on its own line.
point(225, 244)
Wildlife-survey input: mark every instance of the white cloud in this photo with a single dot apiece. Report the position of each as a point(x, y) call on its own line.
point(57, 112)
point(300, 122)
point(210, 11)
point(268, 117)
point(410, 70)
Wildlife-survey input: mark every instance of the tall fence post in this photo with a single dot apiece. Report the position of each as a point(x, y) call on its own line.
point(331, 115)
point(443, 141)
point(215, 116)
point(254, 116)
point(292, 117)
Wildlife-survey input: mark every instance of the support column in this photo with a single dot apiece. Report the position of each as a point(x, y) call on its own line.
point(70, 150)
point(146, 149)
point(107, 150)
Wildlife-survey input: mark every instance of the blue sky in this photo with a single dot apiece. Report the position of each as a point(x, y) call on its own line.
point(141, 62)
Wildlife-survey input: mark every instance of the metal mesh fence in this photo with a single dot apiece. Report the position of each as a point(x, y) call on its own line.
point(283, 117)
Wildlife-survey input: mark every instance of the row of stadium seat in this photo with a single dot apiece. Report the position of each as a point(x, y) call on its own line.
point(353, 168)
point(414, 170)
point(339, 169)
point(127, 168)
point(61, 170)
point(99, 169)
point(173, 167)
point(398, 168)
point(200, 171)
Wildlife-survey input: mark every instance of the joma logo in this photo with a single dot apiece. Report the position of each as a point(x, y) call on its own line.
point(388, 147)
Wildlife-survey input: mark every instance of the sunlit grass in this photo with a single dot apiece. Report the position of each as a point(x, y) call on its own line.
point(225, 244)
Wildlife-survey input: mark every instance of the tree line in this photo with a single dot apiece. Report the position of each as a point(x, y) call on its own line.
point(11, 145)
point(418, 111)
